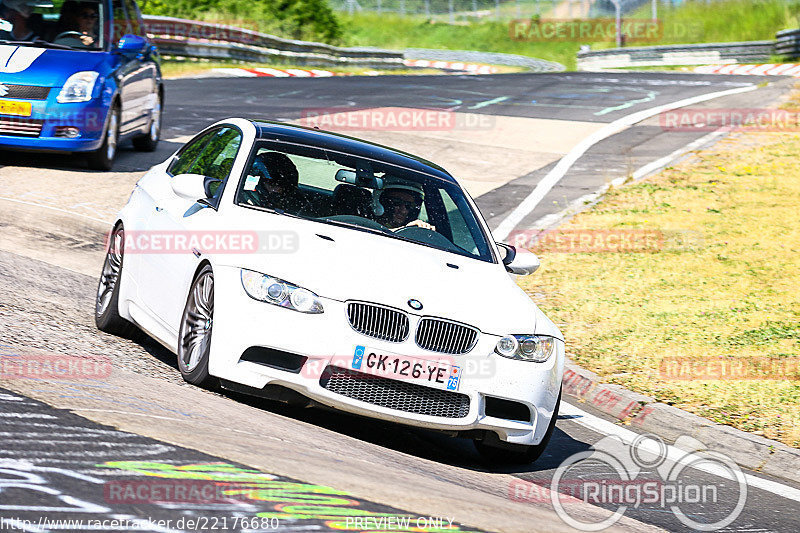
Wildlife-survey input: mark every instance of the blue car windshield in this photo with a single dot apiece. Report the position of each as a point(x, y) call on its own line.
point(65, 24)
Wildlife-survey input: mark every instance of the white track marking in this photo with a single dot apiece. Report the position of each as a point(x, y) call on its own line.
point(604, 427)
point(34, 204)
point(559, 171)
point(125, 413)
point(581, 202)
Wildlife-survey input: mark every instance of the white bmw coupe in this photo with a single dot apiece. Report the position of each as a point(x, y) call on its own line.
point(294, 263)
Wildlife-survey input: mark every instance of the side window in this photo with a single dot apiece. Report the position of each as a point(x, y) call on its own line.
point(121, 25)
point(134, 18)
point(188, 154)
point(218, 156)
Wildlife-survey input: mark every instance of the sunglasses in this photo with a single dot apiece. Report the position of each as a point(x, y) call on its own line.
point(89, 16)
point(398, 202)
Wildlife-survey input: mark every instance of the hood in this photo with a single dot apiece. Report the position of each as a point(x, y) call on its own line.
point(30, 65)
point(346, 264)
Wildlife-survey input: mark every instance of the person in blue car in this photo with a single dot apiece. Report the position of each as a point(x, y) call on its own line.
point(18, 14)
point(79, 19)
point(79, 77)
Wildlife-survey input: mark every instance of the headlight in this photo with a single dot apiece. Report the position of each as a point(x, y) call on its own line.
point(79, 88)
point(536, 348)
point(281, 293)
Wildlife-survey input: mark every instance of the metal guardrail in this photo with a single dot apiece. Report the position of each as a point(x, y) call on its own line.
point(190, 38)
point(679, 54)
point(787, 44)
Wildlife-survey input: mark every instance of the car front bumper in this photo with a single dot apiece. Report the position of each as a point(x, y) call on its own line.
point(327, 339)
point(88, 118)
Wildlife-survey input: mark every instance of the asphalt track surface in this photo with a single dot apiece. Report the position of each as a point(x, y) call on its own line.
point(36, 313)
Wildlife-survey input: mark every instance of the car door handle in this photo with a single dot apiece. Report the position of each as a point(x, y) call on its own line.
point(159, 209)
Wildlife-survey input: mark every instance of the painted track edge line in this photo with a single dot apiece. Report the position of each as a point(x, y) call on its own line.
point(605, 427)
point(555, 175)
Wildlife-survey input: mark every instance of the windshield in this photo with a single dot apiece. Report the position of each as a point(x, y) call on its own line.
point(364, 194)
point(62, 23)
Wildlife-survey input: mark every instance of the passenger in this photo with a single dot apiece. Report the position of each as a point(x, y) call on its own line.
point(277, 186)
point(400, 203)
point(18, 13)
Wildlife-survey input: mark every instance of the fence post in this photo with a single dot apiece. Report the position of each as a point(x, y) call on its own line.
point(452, 14)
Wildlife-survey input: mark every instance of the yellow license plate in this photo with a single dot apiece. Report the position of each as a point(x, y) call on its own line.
point(21, 109)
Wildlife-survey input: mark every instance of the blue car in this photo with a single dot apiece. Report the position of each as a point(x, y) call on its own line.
point(78, 76)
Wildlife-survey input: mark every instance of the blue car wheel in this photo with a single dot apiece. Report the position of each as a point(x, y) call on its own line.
point(103, 158)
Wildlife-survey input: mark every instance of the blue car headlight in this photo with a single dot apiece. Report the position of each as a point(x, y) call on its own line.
point(275, 291)
point(535, 348)
point(79, 87)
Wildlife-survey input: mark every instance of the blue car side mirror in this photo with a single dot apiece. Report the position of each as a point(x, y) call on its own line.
point(132, 44)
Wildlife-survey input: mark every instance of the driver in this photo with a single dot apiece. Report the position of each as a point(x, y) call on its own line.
point(277, 186)
point(398, 205)
point(81, 18)
point(18, 13)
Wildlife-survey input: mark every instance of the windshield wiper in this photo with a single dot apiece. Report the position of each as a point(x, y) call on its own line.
point(38, 42)
point(376, 231)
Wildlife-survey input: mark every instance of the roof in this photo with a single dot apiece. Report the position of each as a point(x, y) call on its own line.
point(279, 131)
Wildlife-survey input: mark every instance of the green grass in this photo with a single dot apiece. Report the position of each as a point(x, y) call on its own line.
point(729, 21)
point(396, 32)
point(690, 22)
point(728, 296)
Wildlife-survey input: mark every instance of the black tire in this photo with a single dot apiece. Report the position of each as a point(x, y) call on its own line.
point(106, 307)
point(516, 454)
point(103, 157)
point(149, 141)
point(194, 338)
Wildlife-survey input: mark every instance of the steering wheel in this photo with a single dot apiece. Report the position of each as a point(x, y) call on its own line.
point(75, 34)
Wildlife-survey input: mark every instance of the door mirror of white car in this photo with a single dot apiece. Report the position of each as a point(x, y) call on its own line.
point(189, 186)
point(522, 263)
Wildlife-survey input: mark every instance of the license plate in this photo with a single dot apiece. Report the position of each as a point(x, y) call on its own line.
point(428, 372)
point(21, 109)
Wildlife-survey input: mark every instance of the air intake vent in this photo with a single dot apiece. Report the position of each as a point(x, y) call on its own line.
point(395, 394)
point(23, 127)
point(26, 92)
point(378, 321)
point(445, 336)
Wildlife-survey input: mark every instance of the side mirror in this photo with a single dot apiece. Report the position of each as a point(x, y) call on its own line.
point(132, 44)
point(522, 263)
point(189, 186)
